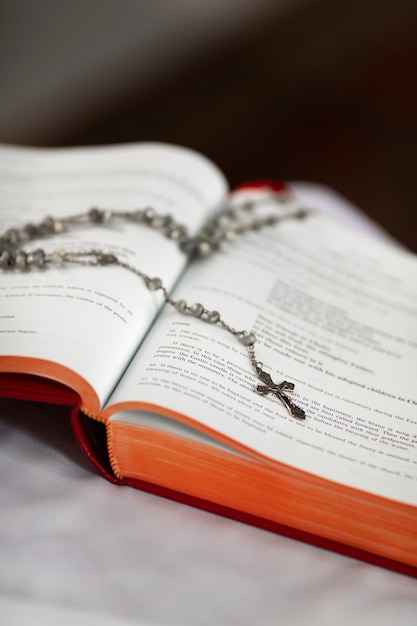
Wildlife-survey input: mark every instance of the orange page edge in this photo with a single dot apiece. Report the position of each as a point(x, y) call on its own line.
point(159, 457)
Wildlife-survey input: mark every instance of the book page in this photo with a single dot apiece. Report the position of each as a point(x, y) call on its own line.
point(92, 320)
point(334, 312)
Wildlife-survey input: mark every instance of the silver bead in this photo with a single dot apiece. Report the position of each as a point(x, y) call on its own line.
point(30, 231)
point(58, 227)
point(158, 221)
point(5, 258)
point(57, 258)
point(47, 225)
point(248, 205)
point(181, 306)
point(213, 317)
point(104, 258)
point(248, 339)
point(222, 221)
point(21, 260)
point(229, 235)
point(99, 216)
point(176, 232)
point(23, 234)
point(12, 236)
point(149, 213)
point(204, 248)
point(38, 258)
point(153, 284)
point(197, 309)
point(233, 212)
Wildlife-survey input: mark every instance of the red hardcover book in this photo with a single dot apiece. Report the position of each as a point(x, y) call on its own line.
point(167, 404)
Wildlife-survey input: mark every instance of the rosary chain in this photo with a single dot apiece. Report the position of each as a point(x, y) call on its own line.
point(220, 229)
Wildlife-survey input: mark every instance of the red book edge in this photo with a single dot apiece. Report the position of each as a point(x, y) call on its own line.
point(37, 389)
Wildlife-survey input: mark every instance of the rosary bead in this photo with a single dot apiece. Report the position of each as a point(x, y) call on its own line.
point(58, 227)
point(213, 317)
point(229, 235)
point(233, 212)
point(5, 259)
point(12, 236)
point(57, 258)
point(248, 339)
point(149, 214)
point(221, 221)
point(181, 306)
point(30, 230)
point(173, 233)
point(204, 248)
point(47, 225)
point(99, 216)
point(160, 221)
point(94, 215)
point(38, 258)
point(21, 260)
point(176, 232)
point(197, 309)
point(22, 235)
point(154, 284)
point(248, 206)
point(104, 258)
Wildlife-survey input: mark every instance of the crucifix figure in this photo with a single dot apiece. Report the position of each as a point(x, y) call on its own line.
point(278, 390)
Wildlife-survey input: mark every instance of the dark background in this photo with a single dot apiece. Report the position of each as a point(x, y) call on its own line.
point(322, 91)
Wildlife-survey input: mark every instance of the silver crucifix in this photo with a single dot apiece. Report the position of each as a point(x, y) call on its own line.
point(278, 391)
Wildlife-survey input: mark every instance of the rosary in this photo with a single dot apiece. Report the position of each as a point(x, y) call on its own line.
point(222, 228)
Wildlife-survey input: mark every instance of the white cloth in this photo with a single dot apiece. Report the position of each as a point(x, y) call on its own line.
point(75, 549)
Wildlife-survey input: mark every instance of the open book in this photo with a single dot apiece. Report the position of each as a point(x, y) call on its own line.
point(167, 402)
